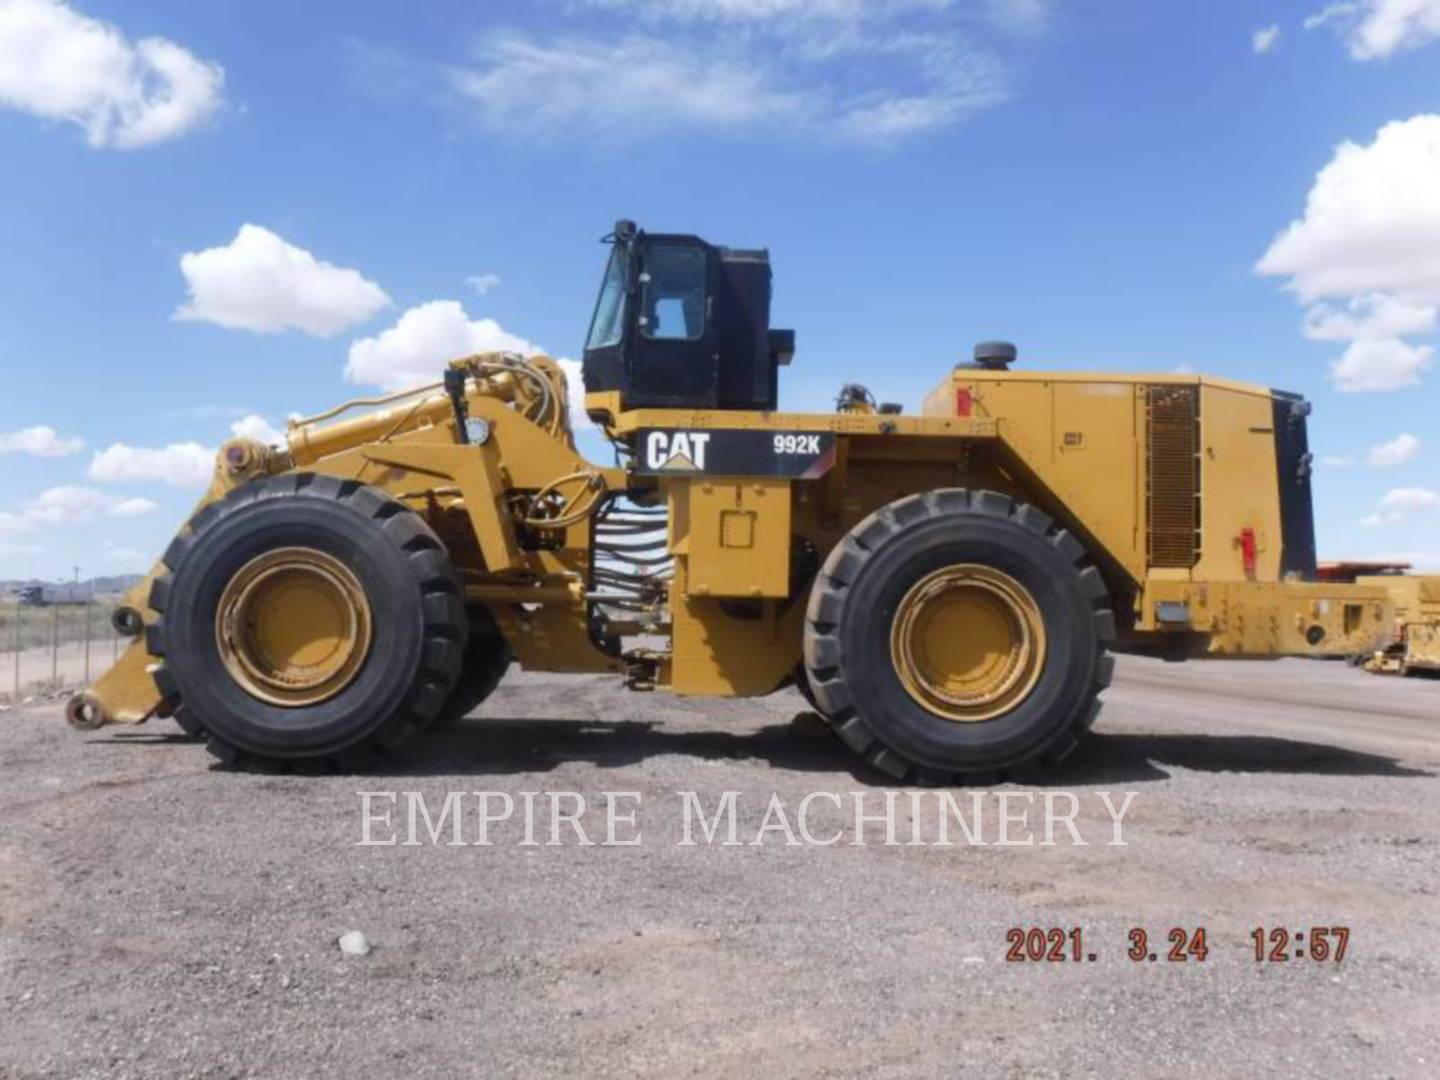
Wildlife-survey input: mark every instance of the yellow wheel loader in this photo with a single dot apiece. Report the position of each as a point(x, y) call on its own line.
point(1414, 648)
point(945, 588)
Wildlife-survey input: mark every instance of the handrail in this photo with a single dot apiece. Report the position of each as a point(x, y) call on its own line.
point(356, 403)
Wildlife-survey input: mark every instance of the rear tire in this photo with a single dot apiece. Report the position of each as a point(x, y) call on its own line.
point(889, 710)
point(802, 684)
point(394, 682)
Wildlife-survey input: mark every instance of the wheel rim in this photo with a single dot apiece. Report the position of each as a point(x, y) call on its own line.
point(968, 642)
point(293, 626)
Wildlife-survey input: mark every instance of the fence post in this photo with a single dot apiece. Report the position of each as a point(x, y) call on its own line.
point(18, 610)
point(87, 639)
point(54, 644)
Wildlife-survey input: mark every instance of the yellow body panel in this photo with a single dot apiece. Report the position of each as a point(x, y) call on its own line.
point(1073, 444)
point(1083, 438)
point(1274, 618)
point(1239, 488)
point(1417, 623)
point(735, 531)
point(1422, 646)
point(1080, 441)
point(735, 653)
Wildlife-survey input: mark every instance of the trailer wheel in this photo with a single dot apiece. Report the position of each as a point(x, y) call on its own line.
point(958, 634)
point(306, 619)
point(487, 658)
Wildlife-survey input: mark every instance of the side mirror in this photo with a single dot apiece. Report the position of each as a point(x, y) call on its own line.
point(782, 346)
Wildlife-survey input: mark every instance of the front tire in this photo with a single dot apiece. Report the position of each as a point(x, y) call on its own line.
point(958, 634)
point(487, 658)
point(306, 619)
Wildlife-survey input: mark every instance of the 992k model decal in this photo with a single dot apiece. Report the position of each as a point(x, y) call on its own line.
point(722, 452)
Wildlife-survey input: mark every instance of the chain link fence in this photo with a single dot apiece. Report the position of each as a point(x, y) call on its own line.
point(51, 649)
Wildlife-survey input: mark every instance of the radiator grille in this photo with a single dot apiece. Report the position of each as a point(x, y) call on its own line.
point(1172, 490)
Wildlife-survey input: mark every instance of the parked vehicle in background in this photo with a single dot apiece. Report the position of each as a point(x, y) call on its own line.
point(1414, 647)
point(47, 595)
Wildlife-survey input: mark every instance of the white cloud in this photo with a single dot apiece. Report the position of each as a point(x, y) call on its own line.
point(423, 340)
point(40, 441)
point(1010, 14)
point(1331, 14)
point(641, 86)
point(116, 554)
point(207, 411)
point(132, 507)
point(416, 349)
point(836, 71)
point(1337, 462)
point(483, 283)
point(65, 505)
point(1380, 366)
point(1398, 451)
point(1265, 39)
point(1370, 240)
point(575, 391)
point(61, 65)
point(1026, 16)
point(1398, 505)
point(179, 464)
point(1371, 317)
point(1372, 220)
point(262, 283)
point(1377, 29)
point(71, 504)
point(788, 10)
point(254, 426)
point(14, 524)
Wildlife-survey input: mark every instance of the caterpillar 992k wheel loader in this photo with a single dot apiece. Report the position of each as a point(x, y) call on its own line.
point(945, 588)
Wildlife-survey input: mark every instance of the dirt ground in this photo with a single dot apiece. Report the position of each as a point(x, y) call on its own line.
point(41, 670)
point(159, 917)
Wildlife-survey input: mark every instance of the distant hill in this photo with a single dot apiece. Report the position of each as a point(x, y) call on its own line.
point(114, 583)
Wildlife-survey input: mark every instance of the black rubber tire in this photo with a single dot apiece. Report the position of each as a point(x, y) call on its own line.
point(487, 658)
point(853, 603)
point(418, 623)
point(802, 684)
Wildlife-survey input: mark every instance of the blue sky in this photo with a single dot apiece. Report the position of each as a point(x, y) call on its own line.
point(1104, 182)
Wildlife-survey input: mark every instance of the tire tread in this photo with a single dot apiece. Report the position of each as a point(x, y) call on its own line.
point(445, 624)
point(823, 654)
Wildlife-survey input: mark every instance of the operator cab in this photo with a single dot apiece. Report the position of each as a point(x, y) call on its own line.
point(684, 324)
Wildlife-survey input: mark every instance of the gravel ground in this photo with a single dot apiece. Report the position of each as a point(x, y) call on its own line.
point(159, 917)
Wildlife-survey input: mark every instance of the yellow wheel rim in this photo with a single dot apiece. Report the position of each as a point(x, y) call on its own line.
point(968, 642)
point(293, 626)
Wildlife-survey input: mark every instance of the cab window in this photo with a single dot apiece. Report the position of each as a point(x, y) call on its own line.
point(609, 321)
point(672, 297)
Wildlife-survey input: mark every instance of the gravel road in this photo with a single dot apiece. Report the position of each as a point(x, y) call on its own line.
point(160, 917)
